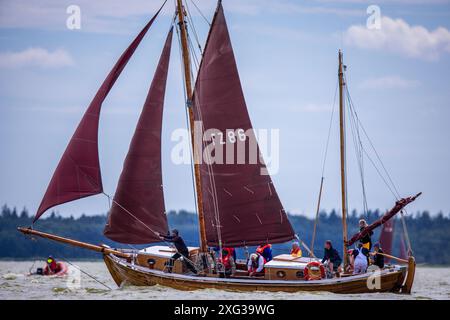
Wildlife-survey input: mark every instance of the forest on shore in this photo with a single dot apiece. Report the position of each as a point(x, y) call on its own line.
point(429, 234)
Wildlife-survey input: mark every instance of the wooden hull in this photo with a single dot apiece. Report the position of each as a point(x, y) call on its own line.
point(124, 272)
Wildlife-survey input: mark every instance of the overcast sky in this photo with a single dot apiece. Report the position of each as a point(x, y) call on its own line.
point(286, 51)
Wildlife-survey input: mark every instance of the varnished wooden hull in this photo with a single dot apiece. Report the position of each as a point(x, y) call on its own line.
point(124, 272)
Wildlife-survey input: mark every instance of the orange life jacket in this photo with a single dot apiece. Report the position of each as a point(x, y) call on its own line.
point(295, 252)
point(261, 249)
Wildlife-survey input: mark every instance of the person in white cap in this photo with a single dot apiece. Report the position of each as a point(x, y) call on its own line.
point(255, 264)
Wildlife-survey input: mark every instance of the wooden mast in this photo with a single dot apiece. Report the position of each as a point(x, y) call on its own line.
point(342, 152)
point(189, 92)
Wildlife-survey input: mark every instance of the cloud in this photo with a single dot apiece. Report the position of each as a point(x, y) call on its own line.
point(397, 36)
point(115, 16)
point(254, 7)
point(389, 82)
point(96, 16)
point(36, 57)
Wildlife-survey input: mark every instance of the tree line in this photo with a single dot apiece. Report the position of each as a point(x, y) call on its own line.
point(428, 234)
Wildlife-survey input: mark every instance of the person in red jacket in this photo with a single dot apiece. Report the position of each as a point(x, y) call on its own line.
point(227, 260)
point(53, 267)
point(266, 251)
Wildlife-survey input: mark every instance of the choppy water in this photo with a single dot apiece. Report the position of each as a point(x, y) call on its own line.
point(430, 283)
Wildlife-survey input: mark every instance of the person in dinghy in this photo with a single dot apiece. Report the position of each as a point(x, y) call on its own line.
point(54, 268)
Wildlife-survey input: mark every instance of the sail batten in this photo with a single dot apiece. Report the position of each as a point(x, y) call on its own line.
point(240, 203)
point(138, 210)
point(78, 173)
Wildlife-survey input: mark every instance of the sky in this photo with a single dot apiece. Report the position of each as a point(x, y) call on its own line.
point(398, 75)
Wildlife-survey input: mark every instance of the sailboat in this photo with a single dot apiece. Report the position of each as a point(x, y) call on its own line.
point(237, 203)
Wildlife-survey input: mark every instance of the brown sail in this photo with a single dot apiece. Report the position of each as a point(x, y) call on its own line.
point(138, 208)
point(386, 237)
point(240, 203)
point(78, 172)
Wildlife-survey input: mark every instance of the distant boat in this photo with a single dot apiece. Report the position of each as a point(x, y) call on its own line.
point(237, 205)
point(387, 236)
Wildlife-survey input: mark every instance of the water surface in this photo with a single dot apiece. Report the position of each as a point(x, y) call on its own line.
point(430, 283)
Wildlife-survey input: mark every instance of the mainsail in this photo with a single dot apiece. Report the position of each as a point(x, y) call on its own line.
point(240, 203)
point(78, 172)
point(138, 208)
point(386, 237)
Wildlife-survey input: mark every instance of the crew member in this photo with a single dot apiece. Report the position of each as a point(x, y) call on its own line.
point(296, 251)
point(228, 262)
point(378, 259)
point(366, 240)
point(266, 251)
point(255, 264)
point(182, 250)
point(360, 259)
point(331, 255)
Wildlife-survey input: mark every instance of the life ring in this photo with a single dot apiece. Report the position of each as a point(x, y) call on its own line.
point(314, 270)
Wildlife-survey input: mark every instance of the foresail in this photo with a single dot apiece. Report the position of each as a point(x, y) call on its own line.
point(240, 203)
point(138, 210)
point(78, 172)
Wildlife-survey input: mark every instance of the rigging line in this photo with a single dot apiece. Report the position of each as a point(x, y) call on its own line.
point(374, 149)
point(211, 181)
point(194, 187)
point(358, 153)
point(359, 141)
point(392, 188)
point(316, 220)
point(379, 173)
point(201, 13)
point(191, 21)
point(81, 270)
point(191, 48)
point(66, 260)
point(132, 215)
point(144, 224)
point(405, 231)
point(213, 185)
point(344, 125)
point(194, 55)
point(329, 130)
